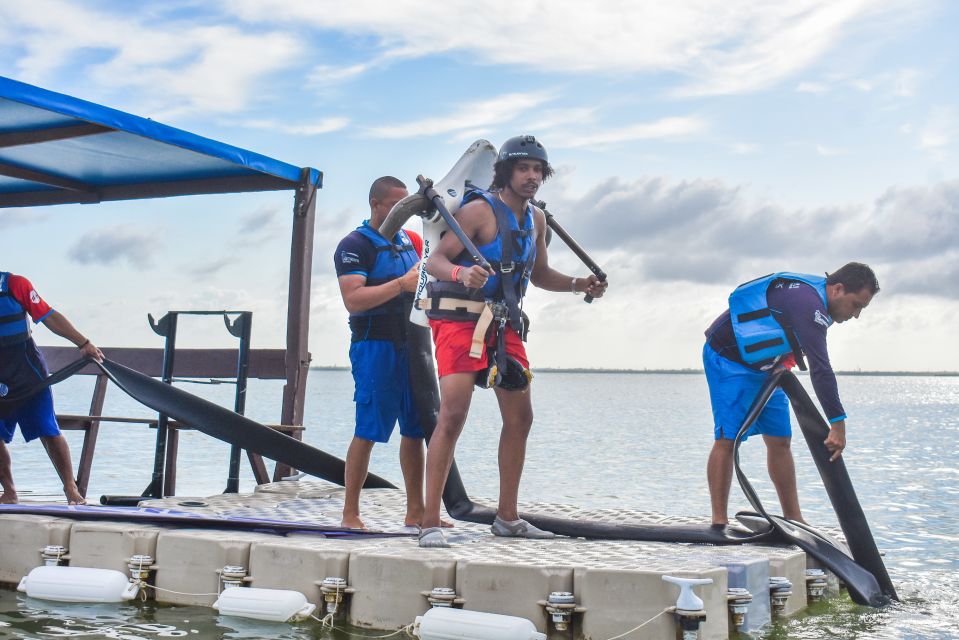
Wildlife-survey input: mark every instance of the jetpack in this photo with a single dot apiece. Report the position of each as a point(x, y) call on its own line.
point(436, 203)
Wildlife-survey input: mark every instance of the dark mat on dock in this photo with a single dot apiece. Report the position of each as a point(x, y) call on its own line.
point(173, 517)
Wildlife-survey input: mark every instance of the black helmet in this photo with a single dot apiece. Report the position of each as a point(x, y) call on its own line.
point(522, 147)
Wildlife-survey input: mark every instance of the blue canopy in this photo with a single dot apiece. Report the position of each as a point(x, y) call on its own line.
point(57, 149)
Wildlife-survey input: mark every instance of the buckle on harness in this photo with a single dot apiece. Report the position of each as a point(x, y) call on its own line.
point(507, 268)
point(500, 312)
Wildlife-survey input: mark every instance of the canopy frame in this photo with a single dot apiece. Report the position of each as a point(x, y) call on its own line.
point(56, 149)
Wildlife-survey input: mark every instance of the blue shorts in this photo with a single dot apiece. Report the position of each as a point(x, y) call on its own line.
point(35, 417)
point(381, 373)
point(732, 389)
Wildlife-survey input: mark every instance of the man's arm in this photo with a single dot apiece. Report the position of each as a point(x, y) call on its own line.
point(353, 260)
point(58, 323)
point(545, 277)
point(24, 293)
point(477, 221)
point(357, 297)
point(810, 329)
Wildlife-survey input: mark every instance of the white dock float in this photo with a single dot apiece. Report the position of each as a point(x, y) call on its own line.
point(385, 582)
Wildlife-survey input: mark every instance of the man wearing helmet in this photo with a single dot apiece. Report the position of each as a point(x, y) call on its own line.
point(478, 326)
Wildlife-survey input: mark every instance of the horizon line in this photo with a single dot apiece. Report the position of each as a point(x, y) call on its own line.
point(609, 370)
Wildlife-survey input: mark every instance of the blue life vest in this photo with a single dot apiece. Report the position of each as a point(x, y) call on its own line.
point(759, 334)
point(512, 255)
point(517, 263)
point(393, 259)
point(14, 327)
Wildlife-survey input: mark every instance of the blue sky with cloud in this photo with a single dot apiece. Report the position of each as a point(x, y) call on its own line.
point(697, 145)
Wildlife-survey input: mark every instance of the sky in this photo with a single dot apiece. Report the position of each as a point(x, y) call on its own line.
point(697, 144)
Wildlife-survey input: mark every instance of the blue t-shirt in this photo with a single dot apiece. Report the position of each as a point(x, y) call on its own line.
point(354, 255)
point(802, 308)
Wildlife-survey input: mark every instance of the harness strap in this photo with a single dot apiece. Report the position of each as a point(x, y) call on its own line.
point(13, 317)
point(450, 304)
point(479, 333)
point(502, 363)
point(794, 345)
point(507, 289)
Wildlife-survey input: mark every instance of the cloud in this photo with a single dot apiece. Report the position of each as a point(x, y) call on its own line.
point(109, 246)
point(212, 267)
point(258, 220)
point(719, 46)
point(252, 233)
point(175, 66)
point(898, 84)
point(909, 235)
point(744, 148)
point(552, 118)
point(10, 218)
point(324, 75)
point(811, 87)
point(911, 224)
point(471, 116)
point(937, 276)
point(324, 125)
point(829, 152)
point(673, 127)
point(939, 130)
point(906, 83)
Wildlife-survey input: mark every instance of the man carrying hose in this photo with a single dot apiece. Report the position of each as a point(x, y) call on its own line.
point(22, 367)
point(776, 319)
point(478, 325)
point(377, 277)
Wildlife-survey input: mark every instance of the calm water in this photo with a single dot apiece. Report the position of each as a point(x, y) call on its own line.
point(600, 440)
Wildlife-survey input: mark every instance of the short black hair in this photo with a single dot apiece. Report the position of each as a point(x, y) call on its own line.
point(854, 277)
point(381, 185)
point(503, 171)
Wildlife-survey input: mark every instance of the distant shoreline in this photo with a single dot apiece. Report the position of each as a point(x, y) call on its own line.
point(943, 374)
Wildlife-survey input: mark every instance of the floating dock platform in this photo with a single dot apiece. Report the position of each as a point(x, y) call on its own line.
point(384, 583)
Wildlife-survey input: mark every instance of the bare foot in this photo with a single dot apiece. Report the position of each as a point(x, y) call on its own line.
point(9, 497)
point(74, 497)
point(352, 522)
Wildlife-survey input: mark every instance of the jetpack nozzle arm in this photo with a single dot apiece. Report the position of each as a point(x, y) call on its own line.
point(572, 244)
point(426, 188)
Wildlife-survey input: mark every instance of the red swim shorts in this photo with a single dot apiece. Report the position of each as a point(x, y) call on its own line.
point(453, 339)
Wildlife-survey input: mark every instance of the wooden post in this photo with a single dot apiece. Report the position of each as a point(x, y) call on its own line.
point(90, 435)
point(298, 307)
point(169, 465)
